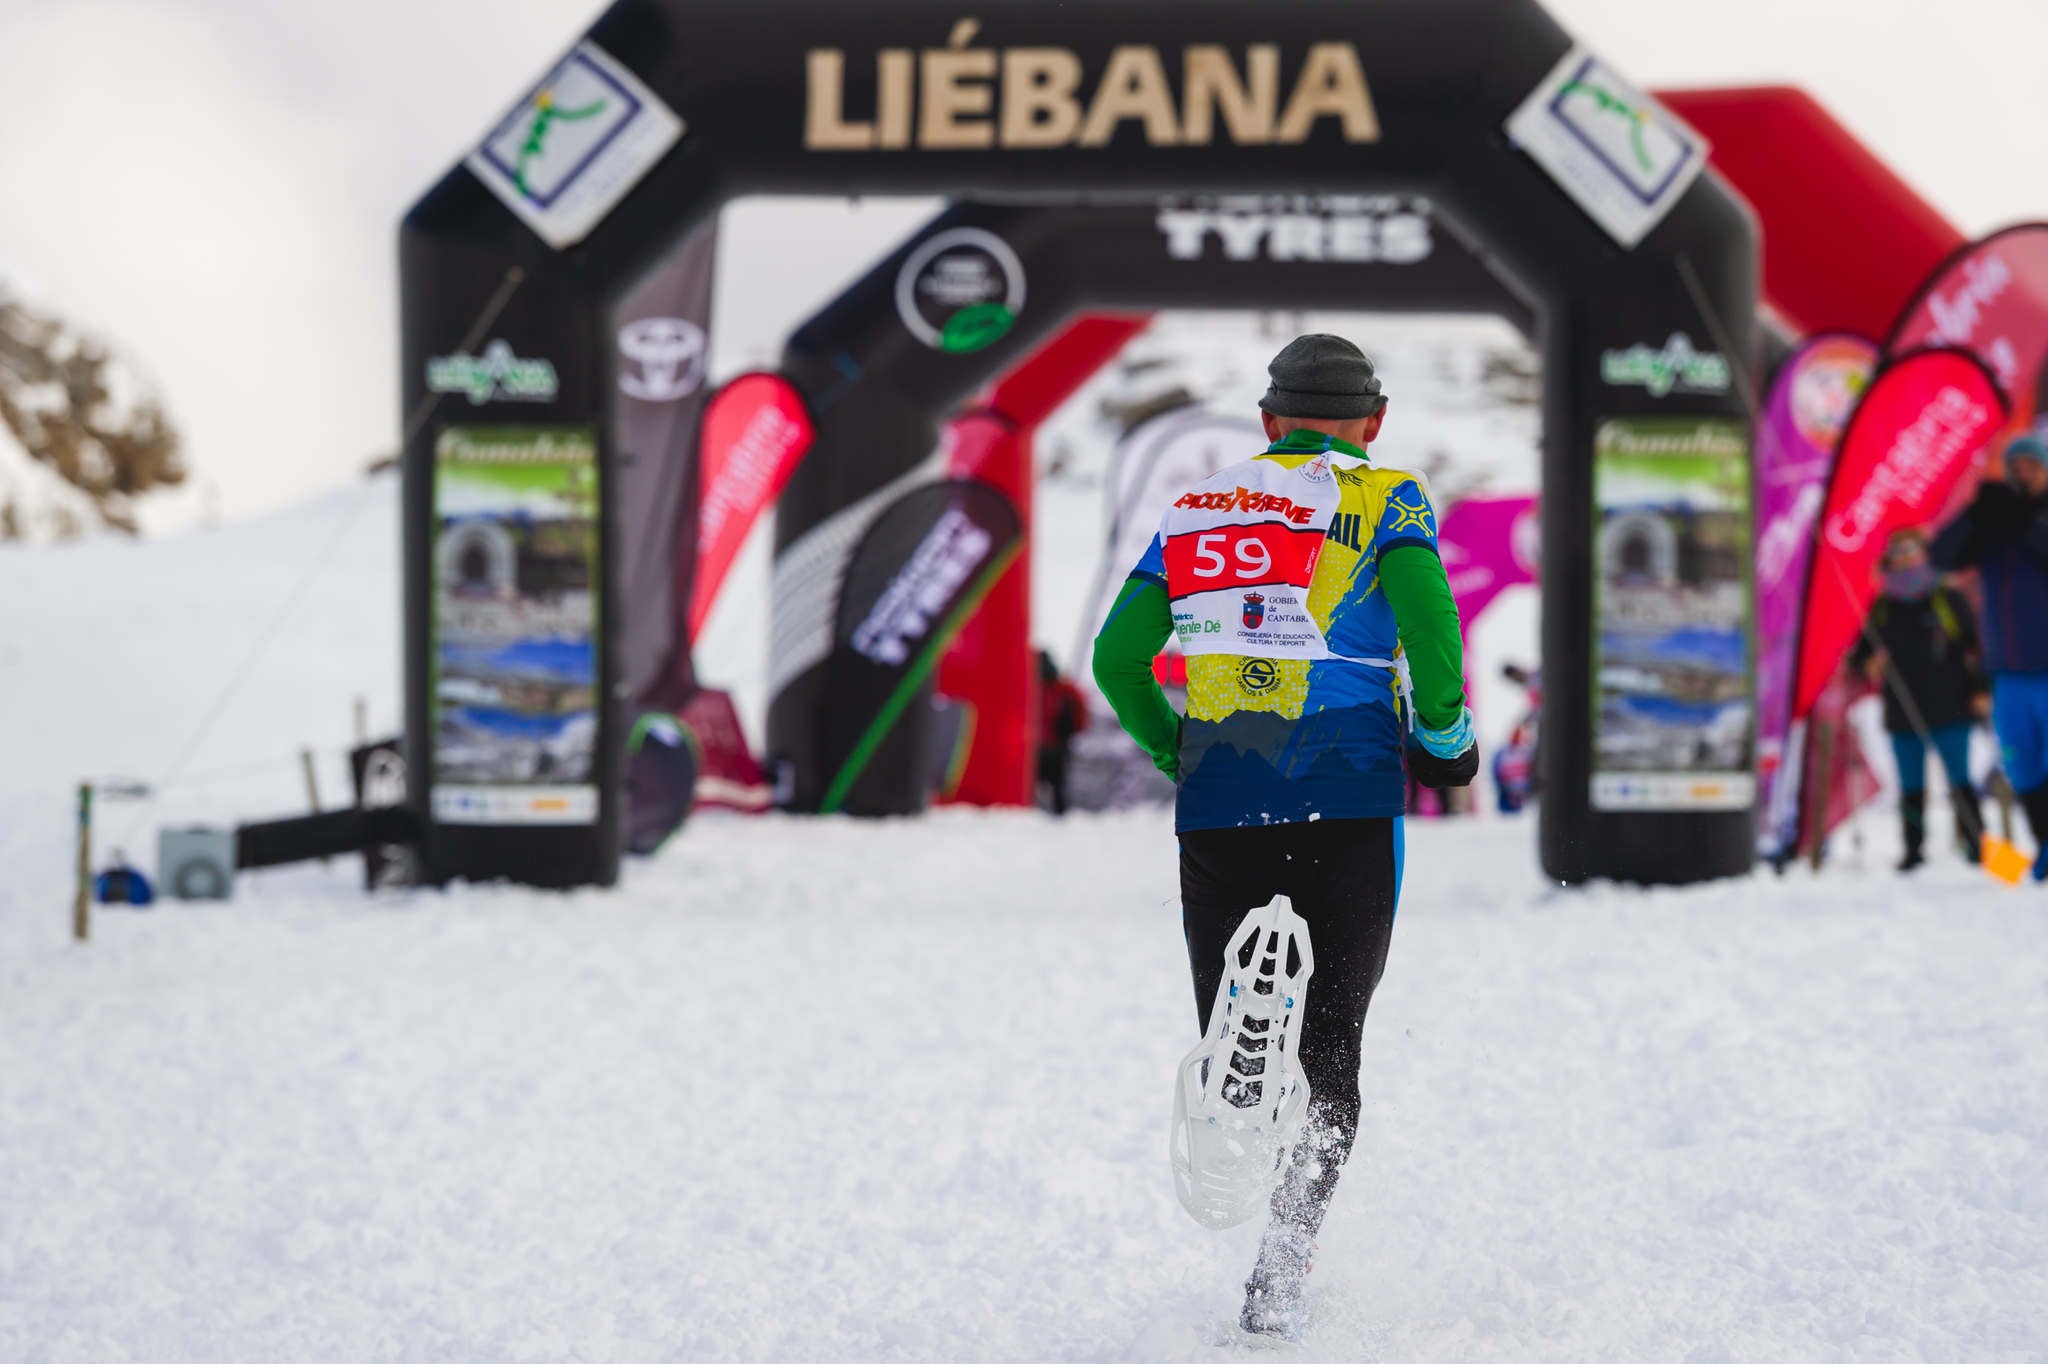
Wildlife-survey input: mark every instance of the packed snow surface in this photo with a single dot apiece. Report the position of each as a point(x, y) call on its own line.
point(819, 1090)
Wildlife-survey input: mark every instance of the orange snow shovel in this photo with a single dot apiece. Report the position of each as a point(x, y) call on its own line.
point(2005, 861)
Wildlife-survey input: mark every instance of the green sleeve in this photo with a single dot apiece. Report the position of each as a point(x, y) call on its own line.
point(1139, 623)
point(1427, 618)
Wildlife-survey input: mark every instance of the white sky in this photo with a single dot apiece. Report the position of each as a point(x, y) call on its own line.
point(214, 185)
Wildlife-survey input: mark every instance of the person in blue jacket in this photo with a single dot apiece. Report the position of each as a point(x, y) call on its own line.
point(2004, 536)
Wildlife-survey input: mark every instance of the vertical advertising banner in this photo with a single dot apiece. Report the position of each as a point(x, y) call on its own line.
point(755, 433)
point(1673, 721)
point(919, 572)
point(1808, 406)
point(515, 649)
point(1991, 299)
point(662, 356)
point(1919, 433)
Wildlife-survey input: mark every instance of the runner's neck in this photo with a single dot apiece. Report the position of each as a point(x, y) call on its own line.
point(1303, 441)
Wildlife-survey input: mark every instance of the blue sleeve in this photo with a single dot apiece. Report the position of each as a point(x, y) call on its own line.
point(1152, 563)
point(1407, 520)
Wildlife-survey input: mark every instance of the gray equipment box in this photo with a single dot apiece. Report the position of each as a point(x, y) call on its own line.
point(197, 863)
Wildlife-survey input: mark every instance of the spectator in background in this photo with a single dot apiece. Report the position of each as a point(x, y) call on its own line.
point(2004, 535)
point(1062, 713)
point(1921, 651)
point(1514, 766)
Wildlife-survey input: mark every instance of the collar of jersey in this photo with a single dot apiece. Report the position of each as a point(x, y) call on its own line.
point(1303, 441)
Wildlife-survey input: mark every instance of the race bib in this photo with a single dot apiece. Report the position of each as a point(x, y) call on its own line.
point(1241, 550)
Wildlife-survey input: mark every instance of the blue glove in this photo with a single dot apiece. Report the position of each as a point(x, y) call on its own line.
point(1450, 741)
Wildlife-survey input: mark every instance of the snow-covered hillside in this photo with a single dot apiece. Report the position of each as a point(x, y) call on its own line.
point(825, 1090)
point(201, 664)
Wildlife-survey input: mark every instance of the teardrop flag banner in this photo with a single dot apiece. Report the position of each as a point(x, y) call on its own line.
point(756, 431)
point(1922, 428)
point(1810, 400)
point(1990, 298)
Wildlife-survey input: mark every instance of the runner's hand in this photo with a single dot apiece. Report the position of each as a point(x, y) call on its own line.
point(1438, 773)
point(1445, 757)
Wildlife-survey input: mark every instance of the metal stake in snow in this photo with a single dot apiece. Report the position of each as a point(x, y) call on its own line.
point(1241, 1099)
point(81, 903)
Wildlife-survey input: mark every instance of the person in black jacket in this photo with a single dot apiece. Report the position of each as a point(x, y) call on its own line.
point(2004, 536)
point(1922, 650)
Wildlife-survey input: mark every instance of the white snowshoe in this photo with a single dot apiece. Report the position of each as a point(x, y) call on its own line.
point(1241, 1099)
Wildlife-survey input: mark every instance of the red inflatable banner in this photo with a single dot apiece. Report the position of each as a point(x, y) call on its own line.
point(755, 433)
point(1920, 430)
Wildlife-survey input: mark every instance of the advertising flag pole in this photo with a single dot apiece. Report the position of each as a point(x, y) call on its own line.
point(81, 904)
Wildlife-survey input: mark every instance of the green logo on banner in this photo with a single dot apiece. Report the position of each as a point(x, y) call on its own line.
point(976, 328)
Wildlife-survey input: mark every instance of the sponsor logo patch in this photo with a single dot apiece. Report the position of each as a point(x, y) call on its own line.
point(961, 291)
point(498, 374)
point(1679, 367)
point(575, 146)
point(1621, 156)
point(661, 359)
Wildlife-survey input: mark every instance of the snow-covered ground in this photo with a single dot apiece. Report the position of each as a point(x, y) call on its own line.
point(824, 1090)
point(816, 1090)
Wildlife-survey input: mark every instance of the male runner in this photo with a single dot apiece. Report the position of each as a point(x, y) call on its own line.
point(1295, 580)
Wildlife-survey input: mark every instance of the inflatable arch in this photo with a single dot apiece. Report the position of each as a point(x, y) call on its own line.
point(880, 406)
point(1578, 192)
point(1802, 171)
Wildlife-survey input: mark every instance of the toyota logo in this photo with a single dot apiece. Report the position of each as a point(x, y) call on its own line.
point(663, 359)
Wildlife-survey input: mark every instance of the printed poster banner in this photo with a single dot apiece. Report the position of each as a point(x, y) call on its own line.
point(1809, 404)
point(756, 431)
point(575, 146)
point(1673, 720)
point(515, 625)
point(1920, 431)
point(1621, 156)
point(1488, 545)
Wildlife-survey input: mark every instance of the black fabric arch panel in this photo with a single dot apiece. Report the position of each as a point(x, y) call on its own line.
point(1606, 234)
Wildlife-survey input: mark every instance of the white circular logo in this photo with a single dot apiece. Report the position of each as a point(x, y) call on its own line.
point(961, 291)
point(662, 359)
